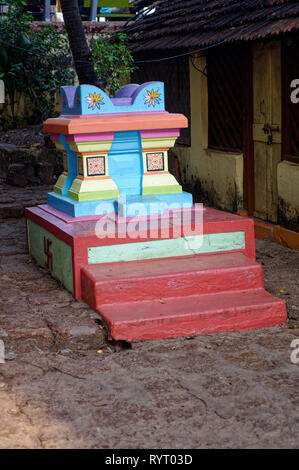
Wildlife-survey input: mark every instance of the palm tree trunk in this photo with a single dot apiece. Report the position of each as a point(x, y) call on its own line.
point(78, 44)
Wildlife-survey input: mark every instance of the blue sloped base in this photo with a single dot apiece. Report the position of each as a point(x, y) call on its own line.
point(82, 208)
point(134, 206)
point(131, 206)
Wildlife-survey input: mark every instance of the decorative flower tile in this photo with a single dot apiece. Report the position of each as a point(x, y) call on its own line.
point(80, 166)
point(155, 161)
point(152, 97)
point(95, 166)
point(95, 101)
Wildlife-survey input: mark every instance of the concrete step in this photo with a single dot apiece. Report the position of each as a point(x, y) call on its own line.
point(193, 315)
point(113, 283)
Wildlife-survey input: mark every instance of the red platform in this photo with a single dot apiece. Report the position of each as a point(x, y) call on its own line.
point(167, 297)
point(193, 315)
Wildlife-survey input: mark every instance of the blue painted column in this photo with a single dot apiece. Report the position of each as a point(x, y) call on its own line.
point(125, 162)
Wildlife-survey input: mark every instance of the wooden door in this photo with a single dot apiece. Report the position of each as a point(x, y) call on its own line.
point(266, 127)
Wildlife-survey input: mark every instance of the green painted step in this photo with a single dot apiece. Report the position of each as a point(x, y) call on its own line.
point(198, 244)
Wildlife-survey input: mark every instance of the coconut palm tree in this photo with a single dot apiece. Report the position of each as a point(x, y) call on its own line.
point(78, 44)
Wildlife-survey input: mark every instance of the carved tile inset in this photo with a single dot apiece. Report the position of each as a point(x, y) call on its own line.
point(96, 166)
point(155, 161)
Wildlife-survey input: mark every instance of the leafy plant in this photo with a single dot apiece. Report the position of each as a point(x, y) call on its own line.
point(11, 67)
point(48, 68)
point(113, 60)
point(33, 62)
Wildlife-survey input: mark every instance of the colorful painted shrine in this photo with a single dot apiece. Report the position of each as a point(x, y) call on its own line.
point(115, 147)
point(145, 284)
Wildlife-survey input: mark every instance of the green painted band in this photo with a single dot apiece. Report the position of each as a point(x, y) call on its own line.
point(170, 189)
point(197, 244)
point(92, 142)
point(159, 138)
point(93, 195)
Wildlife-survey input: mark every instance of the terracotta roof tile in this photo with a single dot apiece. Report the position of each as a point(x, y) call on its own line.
point(181, 24)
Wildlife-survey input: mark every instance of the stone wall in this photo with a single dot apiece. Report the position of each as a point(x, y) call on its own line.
point(34, 161)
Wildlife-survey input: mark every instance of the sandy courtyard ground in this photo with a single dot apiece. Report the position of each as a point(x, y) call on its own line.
point(64, 386)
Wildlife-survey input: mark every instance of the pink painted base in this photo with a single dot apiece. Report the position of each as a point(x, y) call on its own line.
point(185, 296)
point(172, 277)
point(169, 297)
point(82, 234)
point(193, 315)
point(68, 219)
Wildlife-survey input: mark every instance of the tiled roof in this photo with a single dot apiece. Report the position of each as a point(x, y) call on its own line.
point(181, 24)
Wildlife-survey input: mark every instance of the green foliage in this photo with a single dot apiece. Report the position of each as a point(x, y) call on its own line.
point(33, 63)
point(113, 61)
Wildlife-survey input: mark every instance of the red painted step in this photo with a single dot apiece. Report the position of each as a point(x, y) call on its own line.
point(193, 315)
point(153, 279)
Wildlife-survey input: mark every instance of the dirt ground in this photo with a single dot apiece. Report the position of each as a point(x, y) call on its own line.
point(64, 386)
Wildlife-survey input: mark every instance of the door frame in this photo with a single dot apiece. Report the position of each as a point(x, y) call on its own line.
point(248, 143)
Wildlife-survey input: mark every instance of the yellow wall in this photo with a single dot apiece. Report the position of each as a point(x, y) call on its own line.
point(288, 194)
point(23, 110)
point(216, 176)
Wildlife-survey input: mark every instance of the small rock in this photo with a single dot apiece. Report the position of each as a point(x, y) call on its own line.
point(65, 352)
point(82, 331)
point(10, 356)
point(2, 331)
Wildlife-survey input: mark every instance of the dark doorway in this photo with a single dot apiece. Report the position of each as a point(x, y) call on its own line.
point(231, 108)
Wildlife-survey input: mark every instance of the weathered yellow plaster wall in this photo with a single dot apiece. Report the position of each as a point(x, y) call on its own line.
point(23, 110)
point(288, 194)
point(216, 177)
